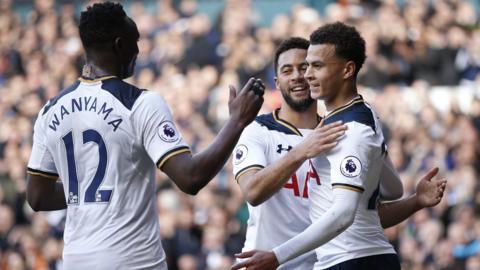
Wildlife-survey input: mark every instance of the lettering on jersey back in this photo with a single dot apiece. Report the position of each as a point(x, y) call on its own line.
point(85, 104)
point(310, 175)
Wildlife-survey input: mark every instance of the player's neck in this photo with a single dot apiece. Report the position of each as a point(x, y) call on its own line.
point(307, 119)
point(92, 70)
point(342, 98)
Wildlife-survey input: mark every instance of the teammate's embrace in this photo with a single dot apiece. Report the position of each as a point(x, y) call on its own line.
point(103, 138)
point(272, 158)
point(346, 229)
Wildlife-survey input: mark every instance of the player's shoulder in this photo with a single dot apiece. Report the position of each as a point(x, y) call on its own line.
point(356, 112)
point(271, 122)
point(127, 94)
point(53, 101)
point(124, 92)
point(150, 100)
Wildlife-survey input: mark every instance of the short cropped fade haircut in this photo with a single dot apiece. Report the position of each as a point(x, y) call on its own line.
point(288, 44)
point(348, 43)
point(101, 23)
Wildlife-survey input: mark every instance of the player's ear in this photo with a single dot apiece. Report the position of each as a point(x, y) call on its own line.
point(276, 82)
point(349, 69)
point(118, 45)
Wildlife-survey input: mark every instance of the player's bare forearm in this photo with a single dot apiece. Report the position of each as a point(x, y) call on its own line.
point(429, 193)
point(259, 185)
point(45, 194)
point(393, 213)
point(210, 161)
point(192, 173)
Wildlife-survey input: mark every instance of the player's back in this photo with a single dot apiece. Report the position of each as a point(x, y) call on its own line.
point(93, 131)
point(355, 163)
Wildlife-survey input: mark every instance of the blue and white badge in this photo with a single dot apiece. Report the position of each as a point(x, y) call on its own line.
point(351, 166)
point(166, 131)
point(240, 154)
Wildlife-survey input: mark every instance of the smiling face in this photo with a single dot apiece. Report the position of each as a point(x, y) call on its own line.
point(291, 81)
point(326, 71)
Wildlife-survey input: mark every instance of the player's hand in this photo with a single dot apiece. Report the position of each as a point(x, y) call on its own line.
point(430, 193)
point(322, 138)
point(245, 104)
point(256, 260)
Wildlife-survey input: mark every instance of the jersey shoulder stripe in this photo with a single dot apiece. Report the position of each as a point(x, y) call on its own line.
point(126, 93)
point(65, 91)
point(272, 122)
point(354, 111)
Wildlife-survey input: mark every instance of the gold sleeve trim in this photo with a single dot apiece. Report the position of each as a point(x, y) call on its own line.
point(246, 169)
point(171, 154)
point(349, 187)
point(42, 175)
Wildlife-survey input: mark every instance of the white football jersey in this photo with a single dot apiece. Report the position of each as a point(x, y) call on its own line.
point(285, 214)
point(102, 138)
point(355, 163)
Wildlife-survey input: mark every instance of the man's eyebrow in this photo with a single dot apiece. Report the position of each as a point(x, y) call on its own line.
point(285, 66)
point(316, 62)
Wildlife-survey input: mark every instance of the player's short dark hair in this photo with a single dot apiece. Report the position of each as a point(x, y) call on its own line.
point(288, 44)
point(346, 39)
point(101, 23)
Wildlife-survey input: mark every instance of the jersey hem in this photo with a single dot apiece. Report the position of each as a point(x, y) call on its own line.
point(347, 258)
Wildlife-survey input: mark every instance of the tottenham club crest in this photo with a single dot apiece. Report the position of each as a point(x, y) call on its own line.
point(166, 132)
point(351, 166)
point(240, 154)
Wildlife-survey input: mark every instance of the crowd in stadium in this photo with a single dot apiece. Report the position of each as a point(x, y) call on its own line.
point(421, 76)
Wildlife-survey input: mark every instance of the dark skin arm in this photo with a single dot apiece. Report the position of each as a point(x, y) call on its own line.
point(192, 172)
point(45, 193)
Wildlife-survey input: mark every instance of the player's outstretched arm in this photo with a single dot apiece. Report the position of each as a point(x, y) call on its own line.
point(429, 193)
point(192, 173)
point(333, 222)
point(260, 184)
point(45, 194)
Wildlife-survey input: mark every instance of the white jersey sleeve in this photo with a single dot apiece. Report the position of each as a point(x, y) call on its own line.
point(41, 159)
point(391, 187)
point(250, 151)
point(160, 136)
point(350, 159)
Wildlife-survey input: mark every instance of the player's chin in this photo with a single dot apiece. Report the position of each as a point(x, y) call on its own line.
point(316, 94)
